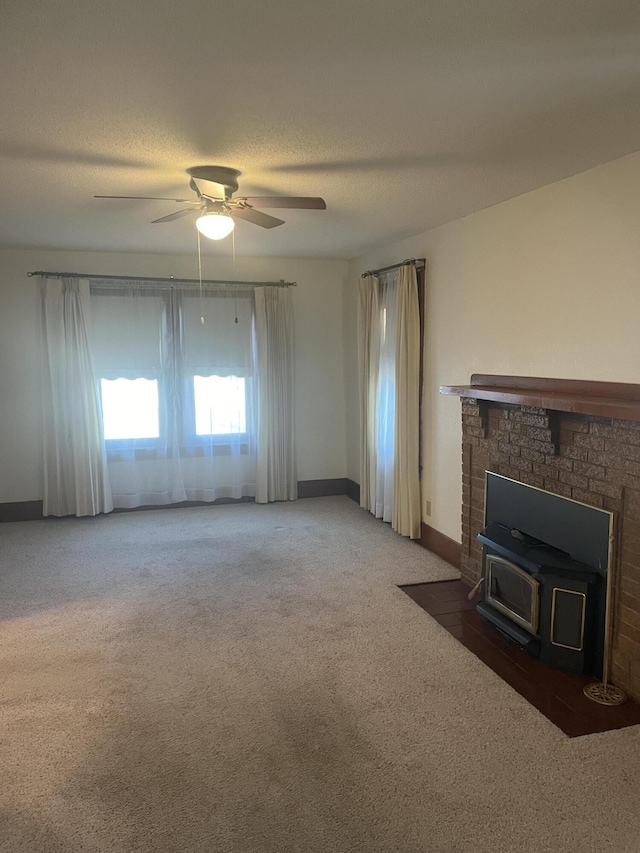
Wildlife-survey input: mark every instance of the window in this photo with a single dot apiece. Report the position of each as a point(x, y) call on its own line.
point(168, 380)
point(130, 408)
point(220, 405)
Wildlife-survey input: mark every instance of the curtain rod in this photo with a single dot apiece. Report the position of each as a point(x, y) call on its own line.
point(172, 279)
point(417, 262)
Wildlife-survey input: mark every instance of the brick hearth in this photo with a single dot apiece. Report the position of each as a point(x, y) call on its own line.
point(591, 459)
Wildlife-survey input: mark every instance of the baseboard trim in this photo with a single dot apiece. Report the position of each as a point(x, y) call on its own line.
point(353, 490)
point(21, 511)
point(322, 488)
point(442, 545)
point(32, 510)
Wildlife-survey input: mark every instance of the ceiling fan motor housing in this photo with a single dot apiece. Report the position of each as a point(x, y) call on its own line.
point(217, 175)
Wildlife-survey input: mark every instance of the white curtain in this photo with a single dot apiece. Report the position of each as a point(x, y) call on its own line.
point(76, 481)
point(382, 494)
point(276, 471)
point(183, 361)
point(389, 356)
point(407, 518)
point(162, 394)
point(368, 358)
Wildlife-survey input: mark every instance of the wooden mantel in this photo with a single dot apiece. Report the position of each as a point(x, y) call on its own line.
point(602, 399)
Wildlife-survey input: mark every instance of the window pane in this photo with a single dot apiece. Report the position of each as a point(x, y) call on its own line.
point(220, 404)
point(130, 408)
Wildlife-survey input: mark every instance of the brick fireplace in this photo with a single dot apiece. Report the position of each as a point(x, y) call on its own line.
point(580, 440)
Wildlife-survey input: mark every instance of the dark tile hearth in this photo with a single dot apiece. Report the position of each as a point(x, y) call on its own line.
point(556, 694)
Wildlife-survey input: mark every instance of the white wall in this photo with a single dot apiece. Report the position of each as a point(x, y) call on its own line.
point(320, 386)
point(547, 284)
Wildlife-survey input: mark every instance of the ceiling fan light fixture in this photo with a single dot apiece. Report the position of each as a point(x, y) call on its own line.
point(215, 225)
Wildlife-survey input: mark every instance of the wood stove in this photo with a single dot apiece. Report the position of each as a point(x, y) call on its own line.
point(533, 589)
point(542, 599)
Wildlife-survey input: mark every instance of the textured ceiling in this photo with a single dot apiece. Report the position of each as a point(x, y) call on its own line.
point(402, 115)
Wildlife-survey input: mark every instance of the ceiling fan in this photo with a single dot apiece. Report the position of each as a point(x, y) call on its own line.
point(214, 187)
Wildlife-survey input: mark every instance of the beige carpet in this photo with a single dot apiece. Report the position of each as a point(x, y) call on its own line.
point(247, 678)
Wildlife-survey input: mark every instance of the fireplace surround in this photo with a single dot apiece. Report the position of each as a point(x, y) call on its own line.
point(573, 438)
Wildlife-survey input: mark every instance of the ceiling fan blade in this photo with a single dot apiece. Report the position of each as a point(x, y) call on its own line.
point(256, 216)
point(209, 189)
point(300, 202)
point(177, 215)
point(149, 198)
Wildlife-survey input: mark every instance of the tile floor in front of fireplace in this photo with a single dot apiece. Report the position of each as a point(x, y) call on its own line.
point(556, 694)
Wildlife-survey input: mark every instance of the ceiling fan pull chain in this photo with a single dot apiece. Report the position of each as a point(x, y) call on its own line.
point(233, 252)
point(200, 279)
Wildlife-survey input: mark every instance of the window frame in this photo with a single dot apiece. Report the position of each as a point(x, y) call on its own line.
point(188, 442)
point(118, 445)
point(190, 439)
